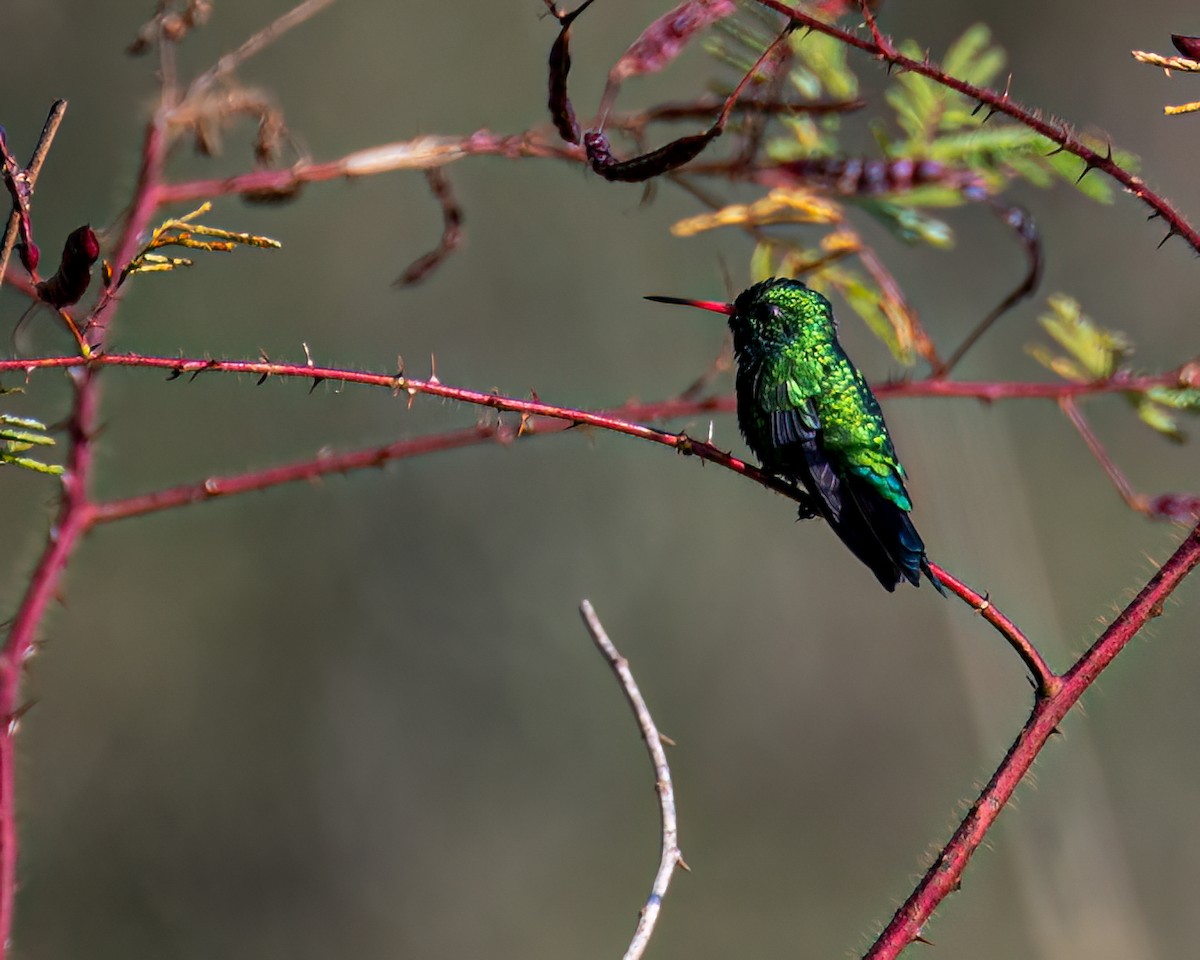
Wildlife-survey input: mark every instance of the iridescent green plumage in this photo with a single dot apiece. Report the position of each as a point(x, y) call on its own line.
point(809, 415)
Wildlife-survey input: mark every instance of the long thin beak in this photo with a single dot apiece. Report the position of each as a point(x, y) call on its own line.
point(714, 305)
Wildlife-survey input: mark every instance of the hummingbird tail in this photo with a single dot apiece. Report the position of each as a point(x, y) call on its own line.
point(883, 537)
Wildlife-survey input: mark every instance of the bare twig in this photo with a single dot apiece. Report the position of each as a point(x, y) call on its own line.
point(452, 231)
point(1046, 681)
point(1026, 230)
point(1167, 506)
point(255, 44)
point(671, 856)
point(30, 174)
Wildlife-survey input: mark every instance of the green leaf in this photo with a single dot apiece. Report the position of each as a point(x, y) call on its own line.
point(19, 434)
point(865, 299)
point(825, 58)
point(912, 226)
point(761, 261)
point(1157, 418)
point(1094, 353)
point(972, 58)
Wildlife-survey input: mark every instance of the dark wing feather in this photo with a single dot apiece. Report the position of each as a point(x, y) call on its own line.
point(796, 445)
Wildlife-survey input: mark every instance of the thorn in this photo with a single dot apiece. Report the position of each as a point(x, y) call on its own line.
point(979, 106)
point(307, 355)
point(14, 719)
point(682, 863)
point(433, 377)
point(917, 938)
point(1087, 168)
point(399, 366)
point(1170, 234)
point(317, 381)
point(1156, 213)
point(195, 374)
point(262, 355)
point(667, 740)
point(262, 379)
point(1059, 149)
point(175, 374)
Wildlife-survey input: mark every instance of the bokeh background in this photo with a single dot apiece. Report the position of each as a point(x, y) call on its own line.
point(362, 718)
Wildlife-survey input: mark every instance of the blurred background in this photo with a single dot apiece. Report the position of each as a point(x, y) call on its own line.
point(362, 717)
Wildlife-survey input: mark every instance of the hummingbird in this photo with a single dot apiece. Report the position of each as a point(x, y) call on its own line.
point(810, 417)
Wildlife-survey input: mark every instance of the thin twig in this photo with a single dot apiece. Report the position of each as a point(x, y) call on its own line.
point(255, 44)
point(1166, 506)
point(419, 153)
point(1131, 497)
point(1023, 224)
point(671, 856)
point(1046, 681)
point(212, 488)
point(452, 230)
point(987, 391)
point(49, 130)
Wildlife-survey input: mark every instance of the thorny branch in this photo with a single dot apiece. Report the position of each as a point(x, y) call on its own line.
point(1055, 130)
point(945, 874)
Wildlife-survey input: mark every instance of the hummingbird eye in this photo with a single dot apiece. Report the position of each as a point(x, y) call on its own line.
point(770, 315)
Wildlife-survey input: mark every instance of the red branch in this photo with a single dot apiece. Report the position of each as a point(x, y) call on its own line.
point(69, 527)
point(1046, 681)
point(1054, 130)
point(944, 876)
point(421, 153)
point(986, 390)
point(73, 520)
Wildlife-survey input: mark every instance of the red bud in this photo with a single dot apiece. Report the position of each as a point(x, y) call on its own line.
point(1188, 46)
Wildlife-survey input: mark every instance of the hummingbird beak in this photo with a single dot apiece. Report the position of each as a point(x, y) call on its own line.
point(714, 305)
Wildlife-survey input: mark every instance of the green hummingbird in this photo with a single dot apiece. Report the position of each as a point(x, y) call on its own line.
point(809, 416)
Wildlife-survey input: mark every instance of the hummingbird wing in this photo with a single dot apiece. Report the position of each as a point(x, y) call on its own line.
point(795, 427)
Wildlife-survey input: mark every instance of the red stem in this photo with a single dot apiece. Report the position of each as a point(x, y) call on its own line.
point(70, 524)
point(944, 876)
point(214, 487)
point(985, 390)
point(1047, 682)
point(73, 520)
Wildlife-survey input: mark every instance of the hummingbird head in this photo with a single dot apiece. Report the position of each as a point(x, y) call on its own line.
point(772, 311)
